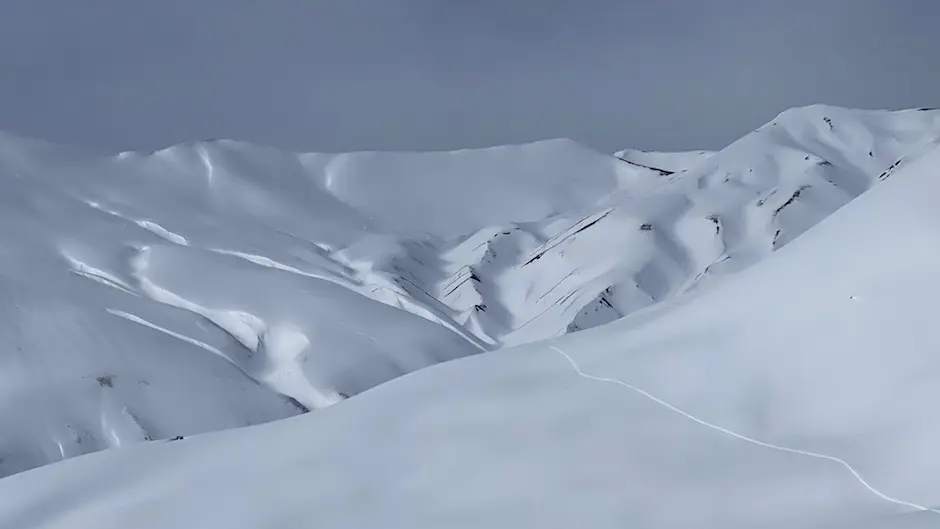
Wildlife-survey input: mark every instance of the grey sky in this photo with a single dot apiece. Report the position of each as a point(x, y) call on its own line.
point(334, 75)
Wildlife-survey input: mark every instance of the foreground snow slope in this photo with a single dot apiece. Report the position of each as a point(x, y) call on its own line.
point(829, 346)
point(214, 285)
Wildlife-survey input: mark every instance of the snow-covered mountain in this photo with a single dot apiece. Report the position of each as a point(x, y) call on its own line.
point(216, 285)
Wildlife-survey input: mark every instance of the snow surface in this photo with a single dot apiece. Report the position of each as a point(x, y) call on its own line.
point(216, 285)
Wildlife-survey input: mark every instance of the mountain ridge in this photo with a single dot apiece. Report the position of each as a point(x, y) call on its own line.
point(825, 346)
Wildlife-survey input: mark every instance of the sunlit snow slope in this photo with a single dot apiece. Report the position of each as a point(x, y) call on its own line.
point(828, 346)
point(220, 284)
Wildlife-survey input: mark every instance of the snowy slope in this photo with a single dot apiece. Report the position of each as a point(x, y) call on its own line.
point(219, 284)
point(668, 231)
point(828, 347)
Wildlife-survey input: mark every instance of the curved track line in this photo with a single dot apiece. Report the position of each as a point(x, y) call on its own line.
point(858, 477)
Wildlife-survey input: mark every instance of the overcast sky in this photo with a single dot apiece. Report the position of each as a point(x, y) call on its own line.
point(332, 75)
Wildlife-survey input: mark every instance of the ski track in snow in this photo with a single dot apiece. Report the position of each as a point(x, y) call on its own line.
point(855, 474)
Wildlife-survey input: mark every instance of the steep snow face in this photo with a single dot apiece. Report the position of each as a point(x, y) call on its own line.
point(827, 347)
point(686, 219)
point(220, 284)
